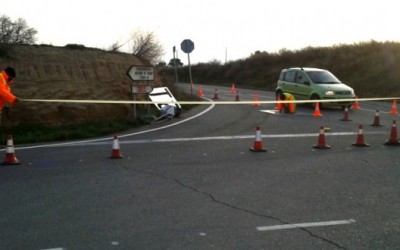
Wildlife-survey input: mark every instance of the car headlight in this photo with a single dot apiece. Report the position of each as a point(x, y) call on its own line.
point(329, 93)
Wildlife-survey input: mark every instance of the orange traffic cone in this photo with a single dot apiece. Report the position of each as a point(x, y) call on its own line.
point(200, 92)
point(316, 111)
point(355, 104)
point(258, 146)
point(346, 115)
point(116, 151)
point(278, 104)
point(377, 119)
point(393, 140)
point(393, 111)
point(216, 94)
point(321, 140)
point(233, 90)
point(256, 103)
point(360, 138)
point(10, 159)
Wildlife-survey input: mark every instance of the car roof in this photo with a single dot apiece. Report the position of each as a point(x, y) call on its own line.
point(305, 69)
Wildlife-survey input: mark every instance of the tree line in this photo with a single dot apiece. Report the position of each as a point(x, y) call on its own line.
point(144, 45)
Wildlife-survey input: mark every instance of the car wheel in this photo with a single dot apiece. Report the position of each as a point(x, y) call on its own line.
point(315, 98)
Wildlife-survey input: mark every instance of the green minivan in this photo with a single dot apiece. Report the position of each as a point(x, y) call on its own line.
point(314, 84)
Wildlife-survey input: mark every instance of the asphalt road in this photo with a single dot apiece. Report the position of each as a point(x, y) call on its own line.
point(193, 183)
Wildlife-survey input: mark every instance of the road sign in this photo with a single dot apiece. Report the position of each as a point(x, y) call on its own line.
point(187, 46)
point(141, 73)
point(141, 89)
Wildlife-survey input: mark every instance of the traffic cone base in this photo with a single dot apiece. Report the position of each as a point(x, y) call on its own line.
point(360, 138)
point(392, 143)
point(321, 140)
point(258, 146)
point(11, 158)
point(116, 151)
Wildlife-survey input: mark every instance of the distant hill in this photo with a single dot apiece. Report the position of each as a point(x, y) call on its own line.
point(371, 68)
point(71, 72)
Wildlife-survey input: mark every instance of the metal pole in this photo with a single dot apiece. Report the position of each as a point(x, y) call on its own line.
point(190, 74)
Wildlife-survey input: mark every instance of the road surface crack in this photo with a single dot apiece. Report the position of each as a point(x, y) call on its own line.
point(231, 206)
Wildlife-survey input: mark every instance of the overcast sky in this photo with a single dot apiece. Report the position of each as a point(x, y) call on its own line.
point(219, 29)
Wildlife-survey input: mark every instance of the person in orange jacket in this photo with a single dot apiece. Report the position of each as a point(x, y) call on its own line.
point(7, 77)
point(289, 107)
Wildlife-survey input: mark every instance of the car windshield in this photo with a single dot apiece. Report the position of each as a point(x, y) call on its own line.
point(322, 77)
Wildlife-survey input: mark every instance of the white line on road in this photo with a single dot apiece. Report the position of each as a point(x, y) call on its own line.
point(213, 138)
point(102, 140)
point(303, 225)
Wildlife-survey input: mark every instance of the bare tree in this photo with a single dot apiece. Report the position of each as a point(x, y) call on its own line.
point(145, 45)
point(115, 47)
point(16, 32)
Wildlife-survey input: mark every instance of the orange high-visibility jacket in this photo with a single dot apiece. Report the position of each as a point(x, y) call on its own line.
point(5, 91)
point(291, 106)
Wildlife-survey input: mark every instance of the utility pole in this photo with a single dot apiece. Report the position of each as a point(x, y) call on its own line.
point(176, 72)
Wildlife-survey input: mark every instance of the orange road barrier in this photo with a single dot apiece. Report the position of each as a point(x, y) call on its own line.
point(233, 89)
point(393, 140)
point(321, 140)
point(360, 138)
point(316, 111)
point(116, 151)
point(258, 145)
point(393, 111)
point(10, 158)
point(377, 120)
point(346, 115)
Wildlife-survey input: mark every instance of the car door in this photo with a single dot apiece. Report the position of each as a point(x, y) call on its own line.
point(288, 81)
point(302, 88)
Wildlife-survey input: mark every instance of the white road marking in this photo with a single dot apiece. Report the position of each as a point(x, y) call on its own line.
point(86, 142)
point(303, 225)
point(228, 137)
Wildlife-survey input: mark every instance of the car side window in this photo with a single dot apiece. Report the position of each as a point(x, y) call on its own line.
point(290, 76)
point(301, 77)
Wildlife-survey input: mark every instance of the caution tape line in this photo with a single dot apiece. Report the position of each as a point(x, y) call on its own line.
point(208, 102)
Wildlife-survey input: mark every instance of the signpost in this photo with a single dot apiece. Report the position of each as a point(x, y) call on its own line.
point(140, 73)
point(187, 46)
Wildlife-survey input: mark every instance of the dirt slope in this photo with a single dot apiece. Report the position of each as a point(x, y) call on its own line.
point(46, 72)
